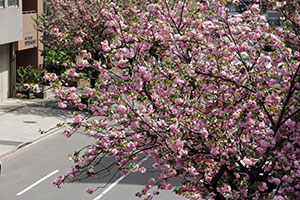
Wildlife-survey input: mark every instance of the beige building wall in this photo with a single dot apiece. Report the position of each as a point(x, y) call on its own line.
point(29, 39)
point(29, 48)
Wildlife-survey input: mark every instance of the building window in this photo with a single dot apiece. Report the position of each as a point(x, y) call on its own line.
point(1, 3)
point(13, 3)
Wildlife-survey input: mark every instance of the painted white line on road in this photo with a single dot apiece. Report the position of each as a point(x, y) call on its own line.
point(38, 182)
point(111, 186)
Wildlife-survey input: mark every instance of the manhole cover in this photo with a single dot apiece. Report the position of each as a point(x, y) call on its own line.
point(30, 122)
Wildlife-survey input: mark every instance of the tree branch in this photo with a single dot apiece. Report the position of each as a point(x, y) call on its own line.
point(290, 93)
point(226, 79)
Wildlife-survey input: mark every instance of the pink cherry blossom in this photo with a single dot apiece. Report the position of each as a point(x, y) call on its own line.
point(89, 190)
point(211, 98)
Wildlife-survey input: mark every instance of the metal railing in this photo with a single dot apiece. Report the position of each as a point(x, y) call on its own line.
point(29, 11)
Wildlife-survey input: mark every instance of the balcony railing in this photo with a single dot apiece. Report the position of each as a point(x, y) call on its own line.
point(29, 11)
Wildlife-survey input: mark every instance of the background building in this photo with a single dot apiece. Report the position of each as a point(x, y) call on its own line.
point(19, 41)
point(29, 47)
point(10, 32)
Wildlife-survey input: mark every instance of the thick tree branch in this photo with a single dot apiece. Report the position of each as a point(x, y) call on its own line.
point(226, 79)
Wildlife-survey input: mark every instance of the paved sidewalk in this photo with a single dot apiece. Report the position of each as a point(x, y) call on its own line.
point(21, 120)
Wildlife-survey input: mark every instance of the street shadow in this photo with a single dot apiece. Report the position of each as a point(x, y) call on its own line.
point(133, 178)
point(10, 143)
point(47, 108)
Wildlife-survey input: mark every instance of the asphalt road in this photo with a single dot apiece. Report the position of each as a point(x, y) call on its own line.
point(28, 175)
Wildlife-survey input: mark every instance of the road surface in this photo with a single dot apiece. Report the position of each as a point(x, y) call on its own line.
point(28, 175)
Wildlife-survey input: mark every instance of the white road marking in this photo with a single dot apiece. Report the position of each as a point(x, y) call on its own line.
point(38, 182)
point(111, 186)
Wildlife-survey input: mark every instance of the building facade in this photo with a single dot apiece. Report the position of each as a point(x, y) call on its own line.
point(29, 47)
point(10, 33)
point(19, 41)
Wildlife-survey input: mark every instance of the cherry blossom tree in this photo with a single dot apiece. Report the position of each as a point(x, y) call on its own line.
point(187, 84)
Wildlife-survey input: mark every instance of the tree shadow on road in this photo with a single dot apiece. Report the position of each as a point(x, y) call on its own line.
point(133, 178)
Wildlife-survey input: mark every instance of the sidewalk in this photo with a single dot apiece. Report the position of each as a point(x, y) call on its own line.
point(21, 120)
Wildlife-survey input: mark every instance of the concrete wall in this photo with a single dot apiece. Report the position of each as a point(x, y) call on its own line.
point(4, 71)
point(10, 23)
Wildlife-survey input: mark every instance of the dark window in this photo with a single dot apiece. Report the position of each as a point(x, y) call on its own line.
point(1, 3)
point(13, 3)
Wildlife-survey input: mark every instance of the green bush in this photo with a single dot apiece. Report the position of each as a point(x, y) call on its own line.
point(29, 75)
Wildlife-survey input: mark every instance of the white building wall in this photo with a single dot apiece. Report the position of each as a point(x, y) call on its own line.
point(4, 71)
point(10, 32)
point(10, 23)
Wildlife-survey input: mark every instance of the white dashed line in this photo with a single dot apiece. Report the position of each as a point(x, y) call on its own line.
point(111, 186)
point(38, 182)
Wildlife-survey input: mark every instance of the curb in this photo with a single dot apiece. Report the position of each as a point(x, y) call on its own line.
point(24, 145)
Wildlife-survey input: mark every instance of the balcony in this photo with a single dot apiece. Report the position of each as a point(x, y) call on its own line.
point(30, 35)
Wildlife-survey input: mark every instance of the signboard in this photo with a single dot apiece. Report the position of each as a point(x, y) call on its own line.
point(29, 40)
